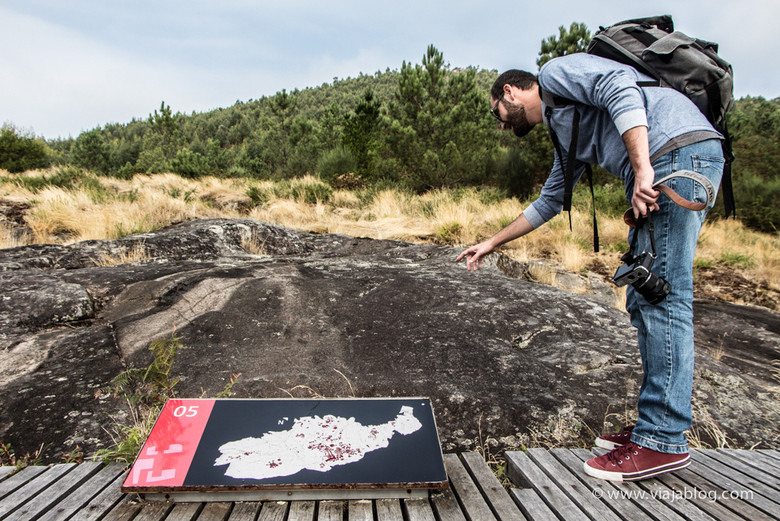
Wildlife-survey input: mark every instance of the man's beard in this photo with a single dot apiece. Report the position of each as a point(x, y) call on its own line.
point(517, 119)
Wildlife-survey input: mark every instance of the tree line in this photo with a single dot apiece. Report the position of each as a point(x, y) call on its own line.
point(423, 127)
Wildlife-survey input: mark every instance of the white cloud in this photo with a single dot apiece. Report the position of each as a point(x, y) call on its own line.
point(60, 82)
point(71, 67)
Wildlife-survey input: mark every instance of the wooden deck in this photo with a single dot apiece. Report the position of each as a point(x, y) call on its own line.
point(548, 485)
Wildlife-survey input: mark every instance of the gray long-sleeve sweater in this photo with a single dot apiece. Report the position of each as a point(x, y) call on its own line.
point(610, 103)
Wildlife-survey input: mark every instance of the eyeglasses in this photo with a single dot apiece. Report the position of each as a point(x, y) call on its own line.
point(494, 110)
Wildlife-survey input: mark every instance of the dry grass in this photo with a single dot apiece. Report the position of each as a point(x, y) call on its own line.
point(104, 208)
point(135, 254)
point(732, 243)
point(705, 433)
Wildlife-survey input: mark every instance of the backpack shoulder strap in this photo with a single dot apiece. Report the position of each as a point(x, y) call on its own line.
point(552, 102)
point(571, 157)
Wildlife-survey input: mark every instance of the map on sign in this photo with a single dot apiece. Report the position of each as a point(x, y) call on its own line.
point(313, 443)
point(352, 444)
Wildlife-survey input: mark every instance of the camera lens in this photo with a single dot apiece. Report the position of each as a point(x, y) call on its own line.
point(654, 289)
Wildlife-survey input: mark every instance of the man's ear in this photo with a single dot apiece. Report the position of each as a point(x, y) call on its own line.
point(509, 93)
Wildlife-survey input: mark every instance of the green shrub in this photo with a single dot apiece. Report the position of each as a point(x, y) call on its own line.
point(515, 175)
point(489, 195)
point(304, 191)
point(96, 192)
point(91, 152)
point(756, 200)
point(448, 233)
point(21, 151)
point(737, 260)
point(65, 178)
point(145, 390)
point(258, 196)
point(610, 197)
point(190, 164)
point(335, 163)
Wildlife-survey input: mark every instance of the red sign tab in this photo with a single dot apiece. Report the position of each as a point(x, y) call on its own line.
point(167, 454)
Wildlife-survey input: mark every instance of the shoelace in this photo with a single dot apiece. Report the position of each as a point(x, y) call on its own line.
point(618, 454)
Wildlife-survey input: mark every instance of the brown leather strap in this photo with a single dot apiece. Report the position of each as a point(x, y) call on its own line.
point(677, 198)
point(628, 217)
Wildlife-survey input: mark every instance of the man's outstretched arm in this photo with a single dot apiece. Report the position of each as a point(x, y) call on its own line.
point(513, 230)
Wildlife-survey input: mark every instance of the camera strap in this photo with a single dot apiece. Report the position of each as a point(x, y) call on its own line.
point(638, 226)
point(709, 188)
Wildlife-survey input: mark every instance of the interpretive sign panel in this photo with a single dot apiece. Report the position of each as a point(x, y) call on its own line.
point(277, 448)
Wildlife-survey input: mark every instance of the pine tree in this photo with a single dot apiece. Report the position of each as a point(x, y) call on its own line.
point(437, 129)
point(360, 134)
point(570, 41)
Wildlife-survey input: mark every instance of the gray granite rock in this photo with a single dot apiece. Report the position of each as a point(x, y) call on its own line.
point(504, 360)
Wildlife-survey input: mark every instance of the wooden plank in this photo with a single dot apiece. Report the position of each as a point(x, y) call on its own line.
point(216, 511)
point(658, 491)
point(244, 511)
point(71, 478)
point(389, 510)
point(571, 485)
point(754, 470)
point(301, 511)
point(418, 509)
point(5, 472)
point(18, 480)
point(331, 511)
point(106, 500)
point(713, 471)
point(703, 498)
point(360, 510)
point(487, 482)
point(630, 491)
point(532, 505)
point(713, 460)
point(82, 495)
point(153, 511)
point(522, 469)
point(770, 453)
point(273, 511)
point(756, 459)
point(19, 499)
point(124, 511)
point(184, 512)
point(735, 505)
point(467, 492)
point(446, 506)
point(626, 509)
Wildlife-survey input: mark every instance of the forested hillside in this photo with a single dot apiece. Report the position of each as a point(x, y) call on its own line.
point(421, 127)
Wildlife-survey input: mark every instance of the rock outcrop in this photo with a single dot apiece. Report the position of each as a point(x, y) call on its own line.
point(505, 360)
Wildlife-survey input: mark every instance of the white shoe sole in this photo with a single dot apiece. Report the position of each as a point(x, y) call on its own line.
point(606, 444)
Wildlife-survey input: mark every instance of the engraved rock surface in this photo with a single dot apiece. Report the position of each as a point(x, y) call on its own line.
point(505, 361)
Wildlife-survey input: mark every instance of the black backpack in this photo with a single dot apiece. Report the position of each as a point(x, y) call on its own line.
point(673, 59)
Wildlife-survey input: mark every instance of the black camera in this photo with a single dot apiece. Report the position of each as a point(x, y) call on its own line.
point(636, 268)
point(636, 271)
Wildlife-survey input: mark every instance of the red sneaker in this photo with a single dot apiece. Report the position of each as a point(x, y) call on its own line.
point(631, 462)
point(610, 441)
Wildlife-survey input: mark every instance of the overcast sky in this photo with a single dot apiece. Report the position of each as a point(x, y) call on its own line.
point(70, 66)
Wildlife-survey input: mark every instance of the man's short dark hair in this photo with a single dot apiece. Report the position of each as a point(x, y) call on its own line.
point(521, 79)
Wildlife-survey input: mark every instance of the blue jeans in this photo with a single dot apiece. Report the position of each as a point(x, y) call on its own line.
point(665, 330)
